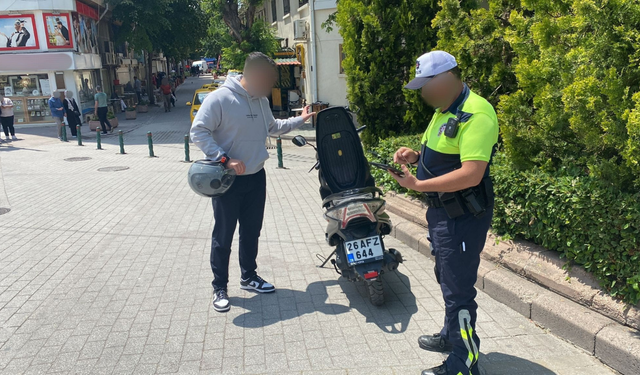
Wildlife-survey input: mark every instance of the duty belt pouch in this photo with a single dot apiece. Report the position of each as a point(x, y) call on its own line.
point(475, 203)
point(452, 204)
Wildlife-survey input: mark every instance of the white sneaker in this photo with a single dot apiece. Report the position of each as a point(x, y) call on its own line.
point(14, 138)
point(7, 139)
point(257, 284)
point(221, 301)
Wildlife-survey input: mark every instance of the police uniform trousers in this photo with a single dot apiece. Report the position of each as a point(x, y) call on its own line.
point(456, 245)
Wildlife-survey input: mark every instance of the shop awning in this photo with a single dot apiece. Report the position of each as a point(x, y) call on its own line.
point(289, 61)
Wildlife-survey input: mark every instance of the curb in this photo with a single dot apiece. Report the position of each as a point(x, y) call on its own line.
point(614, 344)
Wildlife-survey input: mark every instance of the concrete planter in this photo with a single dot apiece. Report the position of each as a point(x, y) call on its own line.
point(131, 115)
point(94, 125)
point(143, 108)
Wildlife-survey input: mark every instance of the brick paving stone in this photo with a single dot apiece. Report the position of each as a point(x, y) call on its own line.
point(108, 272)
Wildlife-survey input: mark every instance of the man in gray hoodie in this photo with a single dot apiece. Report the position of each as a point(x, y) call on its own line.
point(232, 126)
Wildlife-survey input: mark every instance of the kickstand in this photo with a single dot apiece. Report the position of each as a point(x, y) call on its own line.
point(324, 260)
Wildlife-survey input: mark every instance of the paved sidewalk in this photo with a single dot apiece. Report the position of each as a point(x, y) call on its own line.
point(108, 273)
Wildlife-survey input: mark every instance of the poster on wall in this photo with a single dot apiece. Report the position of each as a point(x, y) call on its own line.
point(85, 33)
point(18, 32)
point(45, 87)
point(57, 27)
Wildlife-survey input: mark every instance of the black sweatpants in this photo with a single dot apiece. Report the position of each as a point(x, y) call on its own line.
point(243, 203)
point(7, 125)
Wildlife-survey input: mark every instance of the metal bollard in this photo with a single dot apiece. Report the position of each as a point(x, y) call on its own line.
point(98, 139)
point(186, 149)
point(150, 142)
point(64, 132)
point(121, 140)
point(279, 148)
point(79, 132)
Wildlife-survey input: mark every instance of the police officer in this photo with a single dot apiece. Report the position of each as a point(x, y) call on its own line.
point(453, 172)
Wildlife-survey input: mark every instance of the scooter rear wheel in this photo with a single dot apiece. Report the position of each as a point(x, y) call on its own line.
point(376, 292)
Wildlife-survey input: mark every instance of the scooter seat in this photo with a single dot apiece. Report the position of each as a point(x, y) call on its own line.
point(342, 160)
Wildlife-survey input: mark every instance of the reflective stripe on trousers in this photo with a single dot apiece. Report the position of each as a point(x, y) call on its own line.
point(456, 245)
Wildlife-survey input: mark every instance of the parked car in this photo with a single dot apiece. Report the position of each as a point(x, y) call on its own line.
point(198, 98)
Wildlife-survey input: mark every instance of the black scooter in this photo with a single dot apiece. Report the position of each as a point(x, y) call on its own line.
point(355, 210)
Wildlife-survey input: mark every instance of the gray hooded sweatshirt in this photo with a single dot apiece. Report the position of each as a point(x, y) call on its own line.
point(232, 122)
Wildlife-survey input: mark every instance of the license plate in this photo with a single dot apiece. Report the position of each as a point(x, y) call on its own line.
point(364, 250)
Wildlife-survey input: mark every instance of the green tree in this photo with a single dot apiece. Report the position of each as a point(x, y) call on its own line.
point(218, 36)
point(246, 34)
point(382, 39)
point(577, 71)
point(158, 26)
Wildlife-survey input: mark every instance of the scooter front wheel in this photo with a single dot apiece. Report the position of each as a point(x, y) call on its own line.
point(376, 292)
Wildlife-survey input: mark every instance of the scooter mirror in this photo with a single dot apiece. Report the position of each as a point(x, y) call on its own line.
point(299, 140)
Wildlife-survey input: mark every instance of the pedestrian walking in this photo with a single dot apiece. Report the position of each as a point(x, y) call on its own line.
point(7, 118)
point(73, 112)
point(453, 171)
point(165, 88)
point(57, 112)
point(101, 109)
point(231, 127)
point(173, 84)
point(137, 85)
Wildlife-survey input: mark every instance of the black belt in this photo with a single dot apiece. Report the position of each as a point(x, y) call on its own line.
point(434, 201)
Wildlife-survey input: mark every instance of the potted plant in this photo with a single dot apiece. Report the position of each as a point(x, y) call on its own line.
point(143, 106)
point(94, 123)
point(113, 120)
point(131, 113)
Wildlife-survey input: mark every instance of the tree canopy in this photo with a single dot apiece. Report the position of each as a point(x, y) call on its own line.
point(169, 26)
point(235, 32)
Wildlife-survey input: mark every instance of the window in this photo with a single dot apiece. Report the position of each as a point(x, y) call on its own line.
point(274, 12)
point(25, 85)
point(302, 2)
point(341, 56)
point(199, 98)
point(286, 5)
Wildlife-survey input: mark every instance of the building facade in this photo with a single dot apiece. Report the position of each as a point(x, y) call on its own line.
point(58, 45)
point(310, 60)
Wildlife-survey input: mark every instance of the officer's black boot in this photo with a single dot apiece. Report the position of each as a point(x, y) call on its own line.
point(435, 343)
point(440, 370)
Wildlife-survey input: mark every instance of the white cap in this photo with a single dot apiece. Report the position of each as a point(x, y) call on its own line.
point(429, 65)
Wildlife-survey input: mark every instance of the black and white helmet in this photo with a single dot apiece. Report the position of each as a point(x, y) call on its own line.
point(210, 178)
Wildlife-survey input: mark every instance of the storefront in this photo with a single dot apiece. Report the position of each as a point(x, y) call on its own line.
point(287, 93)
point(42, 51)
point(86, 83)
point(29, 93)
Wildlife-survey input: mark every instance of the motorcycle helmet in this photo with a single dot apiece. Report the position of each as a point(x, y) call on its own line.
point(210, 178)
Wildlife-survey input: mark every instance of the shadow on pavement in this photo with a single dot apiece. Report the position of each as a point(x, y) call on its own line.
point(267, 309)
point(500, 363)
point(285, 304)
point(394, 316)
point(4, 147)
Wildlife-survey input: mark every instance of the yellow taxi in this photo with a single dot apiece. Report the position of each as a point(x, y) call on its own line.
point(210, 86)
point(198, 98)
